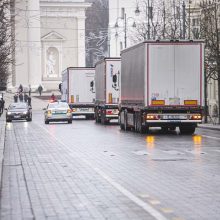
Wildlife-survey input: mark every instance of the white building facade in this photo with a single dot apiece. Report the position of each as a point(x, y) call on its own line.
point(49, 36)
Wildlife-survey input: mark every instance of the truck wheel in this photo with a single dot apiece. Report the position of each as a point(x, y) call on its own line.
point(173, 128)
point(103, 119)
point(126, 127)
point(135, 122)
point(164, 129)
point(141, 129)
point(187, 130)
point(120, 122)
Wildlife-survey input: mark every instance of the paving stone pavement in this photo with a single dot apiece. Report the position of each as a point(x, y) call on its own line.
point(56, 184)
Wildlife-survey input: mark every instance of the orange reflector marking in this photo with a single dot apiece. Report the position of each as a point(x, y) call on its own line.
point(157, 102)
point(190, 102)
point(110, 98)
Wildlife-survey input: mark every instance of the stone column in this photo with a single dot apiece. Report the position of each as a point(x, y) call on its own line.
point(34, 44)
point(81, 41)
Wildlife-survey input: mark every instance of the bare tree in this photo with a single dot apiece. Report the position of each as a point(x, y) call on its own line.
point(160, 19)
point(5, 41)
point(209, 30)
point(96, 31)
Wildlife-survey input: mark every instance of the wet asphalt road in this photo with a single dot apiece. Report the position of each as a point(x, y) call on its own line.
point(88, 171)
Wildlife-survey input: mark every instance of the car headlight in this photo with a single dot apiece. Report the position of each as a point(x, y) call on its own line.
point(8, 113)
point(25, 112)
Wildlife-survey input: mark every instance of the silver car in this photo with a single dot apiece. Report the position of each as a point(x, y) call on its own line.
point(58, 111)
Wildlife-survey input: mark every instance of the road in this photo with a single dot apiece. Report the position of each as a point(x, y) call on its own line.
point(89, 171)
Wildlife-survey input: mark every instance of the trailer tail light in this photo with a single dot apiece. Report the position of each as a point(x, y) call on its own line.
point(190, 102)
point(196, 117)
point(108, 112)
point(157, 102)
point(152, 117)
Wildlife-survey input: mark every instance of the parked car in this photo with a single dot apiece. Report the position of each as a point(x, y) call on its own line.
point(58, 111)
point(18, 111)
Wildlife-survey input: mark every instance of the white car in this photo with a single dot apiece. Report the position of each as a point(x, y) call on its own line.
point(58, 111)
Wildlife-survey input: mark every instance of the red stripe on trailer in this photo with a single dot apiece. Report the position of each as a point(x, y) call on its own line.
point(148, 74)
point(201, 77)
point(68, 81)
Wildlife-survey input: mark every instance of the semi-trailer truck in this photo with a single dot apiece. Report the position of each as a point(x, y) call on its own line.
point(107, 79)
point(162, 85)
point(78, 89)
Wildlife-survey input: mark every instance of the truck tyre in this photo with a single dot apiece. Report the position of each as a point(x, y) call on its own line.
point(104, 121)
point(187, 130)
point(127, 128)
point(173, 128)
point(120, 122)
point(141, 129)
point(136, 122)
point(164, 129)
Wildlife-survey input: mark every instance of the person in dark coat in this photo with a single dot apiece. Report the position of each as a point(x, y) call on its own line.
point(40, 89)
point(16, 98)
point(21, 98)
point(25, 97)
point(29, 100)
point(1, 107)
point(20, 88)
point(2, 104)
point(29, 91)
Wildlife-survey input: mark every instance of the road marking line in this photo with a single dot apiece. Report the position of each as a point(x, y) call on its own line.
point(148, 208)
point(215, 138)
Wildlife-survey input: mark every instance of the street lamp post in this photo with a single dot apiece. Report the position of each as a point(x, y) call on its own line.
point(148, 19)
point(124, 17)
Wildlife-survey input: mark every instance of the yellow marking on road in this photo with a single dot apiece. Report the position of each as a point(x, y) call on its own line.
point(177, 218)
point(144, 196)
point(154, 202)
point(166, 210)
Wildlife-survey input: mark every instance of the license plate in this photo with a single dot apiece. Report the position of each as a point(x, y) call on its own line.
point(175, 117)
point(84, 109)
point(60, 112)
point(17, 116)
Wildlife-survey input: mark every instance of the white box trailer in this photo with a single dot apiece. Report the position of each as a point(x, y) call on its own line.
point(162, 85)
point(107, 79)
point(78, 89)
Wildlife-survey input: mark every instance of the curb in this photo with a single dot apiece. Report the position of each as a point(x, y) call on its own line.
point(209, 127)
point(2, 147)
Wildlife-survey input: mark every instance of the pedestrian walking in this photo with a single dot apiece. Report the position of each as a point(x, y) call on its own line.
point(29, 91)
point(52, 97)
point(2, 104)
point(21, 98)
point(16, 98)
point(40, 89)
point(25, 97)
point(29, 100)
point(1, 107)
point(20, 89)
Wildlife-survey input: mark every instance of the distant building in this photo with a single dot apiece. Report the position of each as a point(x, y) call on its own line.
point(212, 85)
point(48, 36)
